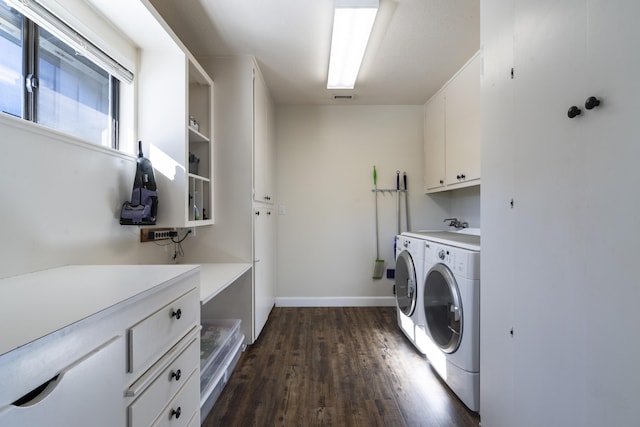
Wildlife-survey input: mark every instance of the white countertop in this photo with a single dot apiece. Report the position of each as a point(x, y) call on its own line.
point(214, 278)
point(37, 304)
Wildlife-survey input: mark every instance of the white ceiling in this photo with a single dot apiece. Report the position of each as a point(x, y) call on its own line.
point(416, 45)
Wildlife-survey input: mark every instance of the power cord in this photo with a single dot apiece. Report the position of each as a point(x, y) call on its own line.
point(177, 246)
point(181, 240)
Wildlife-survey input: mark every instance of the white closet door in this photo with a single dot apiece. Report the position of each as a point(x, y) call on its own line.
point(498, 217)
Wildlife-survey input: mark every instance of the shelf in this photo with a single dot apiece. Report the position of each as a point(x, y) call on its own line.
point(201, 178)
point(196, 136)
point(214, 278)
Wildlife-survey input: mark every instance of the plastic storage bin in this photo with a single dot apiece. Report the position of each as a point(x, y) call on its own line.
point(218, 380)
point(221, 344)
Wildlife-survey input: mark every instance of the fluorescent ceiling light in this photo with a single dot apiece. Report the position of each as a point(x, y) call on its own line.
point(352, 24)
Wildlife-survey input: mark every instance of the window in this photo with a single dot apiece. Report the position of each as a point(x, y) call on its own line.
point(45, 80)
point(10, 61)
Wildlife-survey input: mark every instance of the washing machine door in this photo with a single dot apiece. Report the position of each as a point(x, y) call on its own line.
point(405, 276)
point(443, 308)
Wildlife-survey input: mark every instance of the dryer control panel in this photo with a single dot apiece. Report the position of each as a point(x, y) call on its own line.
point(461, 262)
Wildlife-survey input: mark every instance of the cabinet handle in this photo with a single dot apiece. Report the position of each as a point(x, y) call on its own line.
point(177, 374)
point(591, 103)
point(458, 177)
point(257, 212)
point(463, 176)
point(176, 413)
point(37, 393)
point(177, 314)
point(573, 112)
point(441, 181)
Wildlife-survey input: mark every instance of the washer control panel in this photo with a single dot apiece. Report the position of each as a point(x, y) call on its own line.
point(411, 245)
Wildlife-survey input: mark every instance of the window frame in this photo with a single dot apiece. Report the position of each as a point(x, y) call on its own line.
point(30, 72)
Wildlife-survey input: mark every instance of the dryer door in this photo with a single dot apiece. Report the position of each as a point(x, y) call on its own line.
point(443, 308)
point(405, 283)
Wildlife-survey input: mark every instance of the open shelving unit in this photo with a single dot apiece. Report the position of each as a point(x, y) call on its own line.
point(199, 200)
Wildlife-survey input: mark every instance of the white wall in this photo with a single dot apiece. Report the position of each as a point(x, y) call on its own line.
point(61, 202)
point(325, 156)
point(465, 205)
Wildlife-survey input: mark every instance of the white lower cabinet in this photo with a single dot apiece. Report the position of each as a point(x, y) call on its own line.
point(183, 406)
point(144, 410)
point(264, 266)
point(162, 329)
point(121, 348)
point(85, 393)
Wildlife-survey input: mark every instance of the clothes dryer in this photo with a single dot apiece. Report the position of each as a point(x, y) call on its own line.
point(409, 277)
point(451, 310)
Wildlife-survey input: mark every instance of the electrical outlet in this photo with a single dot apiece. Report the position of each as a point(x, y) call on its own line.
point(152, 234)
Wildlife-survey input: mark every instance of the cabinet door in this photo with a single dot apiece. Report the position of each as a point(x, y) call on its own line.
point(434, 121)
point(607, 206)
point(262, 142)
point(548, 272)
point(574, 186)
point(462, 118)
point(498, 216)
point(264, 266)
point(86, 393)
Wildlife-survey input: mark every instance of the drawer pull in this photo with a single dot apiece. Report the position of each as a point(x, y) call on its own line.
point(177, 314)
point(177, 374)
point(42, 390)
point(176, 413)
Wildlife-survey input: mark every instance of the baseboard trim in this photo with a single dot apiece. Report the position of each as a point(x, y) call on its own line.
point(335, 301)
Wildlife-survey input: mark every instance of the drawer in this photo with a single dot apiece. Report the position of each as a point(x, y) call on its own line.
point(195, 420)
point(178, 412)
point(154, 335)
point(146, 408)
point(85, 393)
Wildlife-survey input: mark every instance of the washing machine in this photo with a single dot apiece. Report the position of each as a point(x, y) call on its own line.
point(451, 311)
point(409, 277)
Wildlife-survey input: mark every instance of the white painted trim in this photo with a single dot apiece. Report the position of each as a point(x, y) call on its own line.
point(335, 301)
point(56, 135)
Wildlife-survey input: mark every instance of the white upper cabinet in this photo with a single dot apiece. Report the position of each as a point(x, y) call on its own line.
point(434, 172)
point(452, 132)
point(263, 142)
point(462, 124)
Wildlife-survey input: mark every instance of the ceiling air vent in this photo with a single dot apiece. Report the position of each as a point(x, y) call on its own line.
point(342, 97)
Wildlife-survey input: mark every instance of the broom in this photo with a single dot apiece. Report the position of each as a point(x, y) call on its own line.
point(378, 265)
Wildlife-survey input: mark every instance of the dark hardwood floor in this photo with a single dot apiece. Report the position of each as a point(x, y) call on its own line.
point(347, 366)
